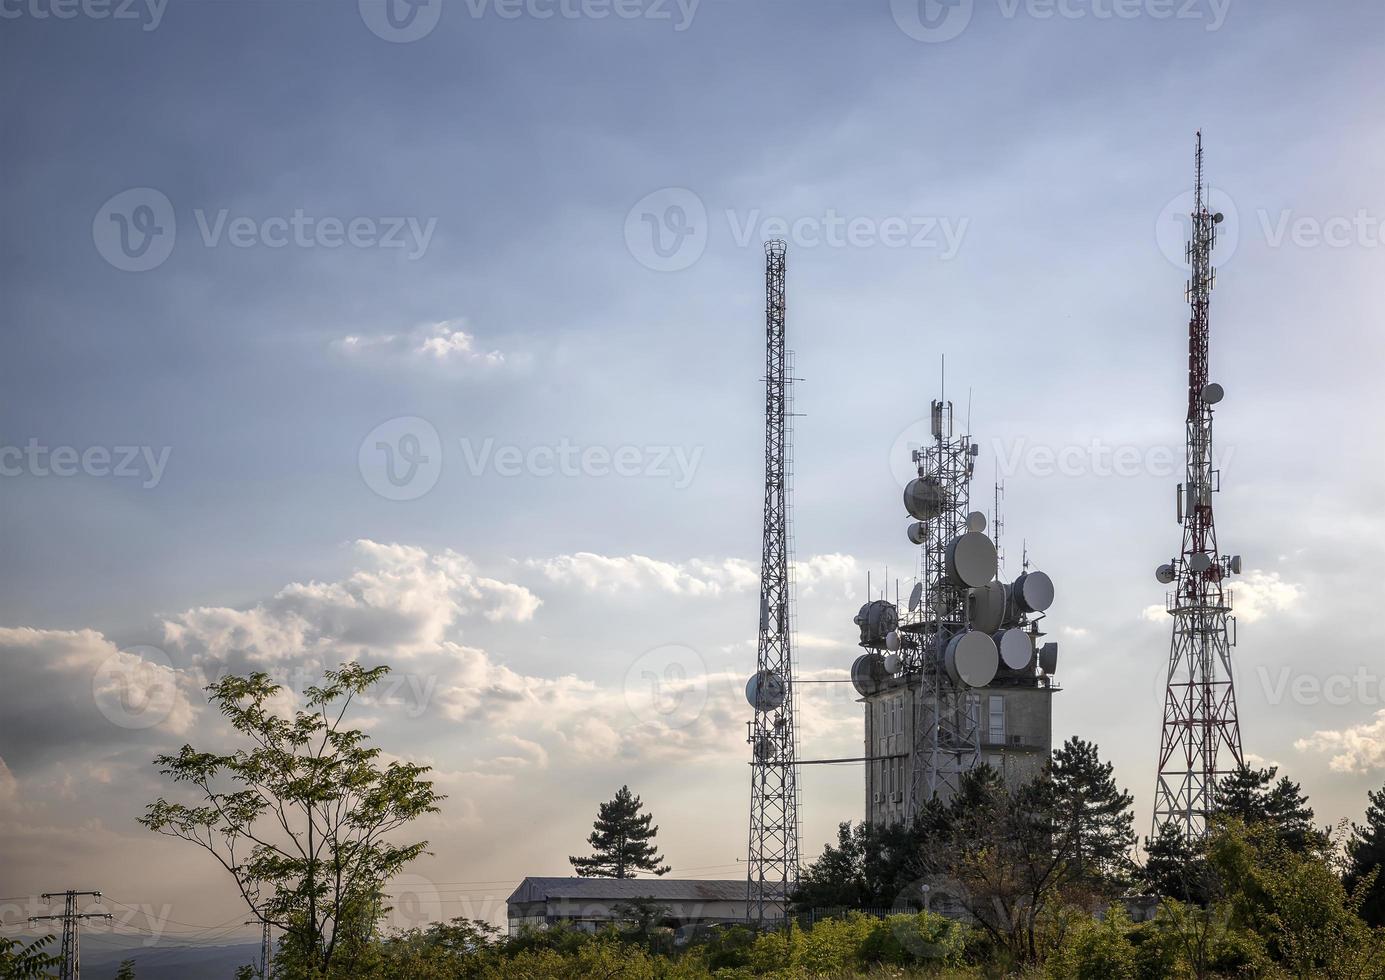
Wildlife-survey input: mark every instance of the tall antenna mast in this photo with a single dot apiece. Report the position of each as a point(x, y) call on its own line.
point(773, 857)
point(1200, 699)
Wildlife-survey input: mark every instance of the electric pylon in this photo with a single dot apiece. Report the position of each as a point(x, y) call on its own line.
point(71, 919)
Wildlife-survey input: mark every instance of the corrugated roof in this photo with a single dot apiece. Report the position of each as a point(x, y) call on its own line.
point(628, 889)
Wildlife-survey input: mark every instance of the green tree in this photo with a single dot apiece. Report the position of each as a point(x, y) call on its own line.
point(1174, 867)
point(302, 815)
point(872, 865)
point(126, 971)
point(20, 962)
point(1366, 858)
point(1255, 798)
point(1097, 813)
point(621, 841)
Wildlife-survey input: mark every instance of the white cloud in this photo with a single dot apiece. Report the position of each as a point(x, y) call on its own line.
point(401, 601)
point(1259, 594)
point(446, 342)
point(832, 573)
point(1359, 748)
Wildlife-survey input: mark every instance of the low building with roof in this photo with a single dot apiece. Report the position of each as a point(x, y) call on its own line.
point(590, 903)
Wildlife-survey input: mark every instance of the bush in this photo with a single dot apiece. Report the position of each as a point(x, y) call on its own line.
point(1097, 950)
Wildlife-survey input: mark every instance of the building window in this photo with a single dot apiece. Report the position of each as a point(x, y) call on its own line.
point(997, 719)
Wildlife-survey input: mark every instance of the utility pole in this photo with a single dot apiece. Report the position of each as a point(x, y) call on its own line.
point(265, 954)
point(71, 919)
point(1200, 719)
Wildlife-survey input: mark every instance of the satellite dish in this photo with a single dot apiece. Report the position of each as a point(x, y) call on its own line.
point(976, 521)
point(1200, 562)
point(1235, 564)
point(1213, 393)
point(1048, 658)
point(971, 560)
point(1218, 218)
point(924, 498)
point(1016, 648)
point(1033, 592)
point(877, 619)
point(892, 641)
point(1165, 573)
point(916, 597)
point(917, 532)
point(765, 691)
point(986, 607)
point(764, 748)
point(971, 659)
point(868, 674)
point(893, 663)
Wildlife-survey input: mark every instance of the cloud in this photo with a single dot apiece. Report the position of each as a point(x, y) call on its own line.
point(400, 602)
point(445, 343)
point(1358, 749)
point(698, 577)
point(69, 688)
point(1259, 594)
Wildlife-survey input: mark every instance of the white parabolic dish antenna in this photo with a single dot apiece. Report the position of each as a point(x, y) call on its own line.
point(971, 560)
point(765, 691)
point(1016, 650)
point(917, 532)
point(1213, 393)
point(976, 521)
point(916, 596)
point(1165, 574)
point(868, 674)
point(987, 607)
point(1048, 657)
point(1200, 562)
point(923, 498)
point(1033, 592)
point(972, 659)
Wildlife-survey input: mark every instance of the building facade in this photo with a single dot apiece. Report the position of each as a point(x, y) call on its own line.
point(1014, 715)
point(590, 903)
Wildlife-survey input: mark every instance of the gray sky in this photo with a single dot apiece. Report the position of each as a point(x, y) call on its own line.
point(254, 241)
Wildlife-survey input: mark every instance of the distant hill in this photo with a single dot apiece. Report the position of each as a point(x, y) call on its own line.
point(170, 962)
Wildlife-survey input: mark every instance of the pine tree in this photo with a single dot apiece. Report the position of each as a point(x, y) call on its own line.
point(1366, 853)
point(621, 841)
point(1253, 796)
point(1175, 868)
point(1094, 811)
point(127, 970)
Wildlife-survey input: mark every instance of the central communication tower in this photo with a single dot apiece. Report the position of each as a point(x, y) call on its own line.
point(947, 733)
point(773, 858)
point(1200, 699)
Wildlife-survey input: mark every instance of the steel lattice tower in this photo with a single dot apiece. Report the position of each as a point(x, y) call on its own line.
point(1200, 700)
point(773, 857)
point(947, 739)
point(71, 968)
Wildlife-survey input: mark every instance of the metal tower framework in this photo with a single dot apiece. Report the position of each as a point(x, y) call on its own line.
point(1200, 701)
point(71, 919)
point(773, 855)
point(947, 730)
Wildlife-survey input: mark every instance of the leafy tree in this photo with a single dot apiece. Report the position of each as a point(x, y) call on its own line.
point(1253, 797)
point(1175, 867)
point(300, 817)
point(1366, 857)
point(1008, 855)
point(1098, 814)
point(622, 841)
point(872, 865)
point(126, 971)
point(20, 962)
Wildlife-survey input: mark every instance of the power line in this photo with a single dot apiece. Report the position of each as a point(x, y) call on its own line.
point(71, 919)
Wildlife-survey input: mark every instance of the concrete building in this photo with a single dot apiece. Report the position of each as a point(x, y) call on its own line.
point(1014, 714)
point(590, 903)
